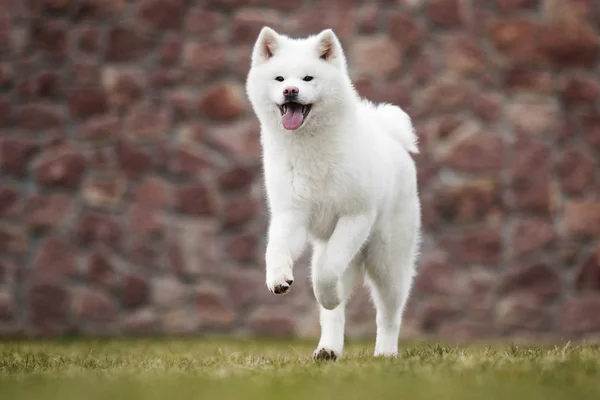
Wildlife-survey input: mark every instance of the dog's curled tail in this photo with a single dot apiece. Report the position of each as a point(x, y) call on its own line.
point(399, 125)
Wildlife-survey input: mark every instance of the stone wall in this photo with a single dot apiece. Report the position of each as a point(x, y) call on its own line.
point(130, 192)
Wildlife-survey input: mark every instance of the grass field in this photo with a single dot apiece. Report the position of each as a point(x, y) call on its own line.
point(219, 369)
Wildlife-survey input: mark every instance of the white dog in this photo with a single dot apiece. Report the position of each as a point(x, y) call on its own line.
point(338, 174)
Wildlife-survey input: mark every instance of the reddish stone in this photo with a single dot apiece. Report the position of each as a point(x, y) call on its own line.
point(7, 272)
point(212, 308)
point(7, 306)
point(100, 269)
point(97, 227)
point(142, 322)
point(240, 141)
point(476, 246)
point(269, 323)
point(9, 202)
point(87, 102)
point(476, 153)
point(580, 90)
point(538, 279)
point(591, 130)
point(13, 240)
point(242, 247)
point(126, 44)
point(464, 55)
point(582, 217)
point(443, 94)
point(184, 105)
point(185, 256)
point(99, 9)
point(530, 118)
point(532, 234)
point(246, 287)
point(135, 291)
point(55, 259)
point(247, 23)
point(375, 56)
point(488, 107)
point(519, 79)
point(132, 160)
point(437, 310)
point(148, 122)
point(48, 309)
point(510, 5)
point(523, 311)
point(143, 220)
point(152, 192)
point(471, 202)
point(395, 92)
point(189, 161)
point(588, 277)
point(5, 113)
point(123, 86)
point(576, 170)
point(51, 37)
point(581, 315)
point(84, 73)
point(368, 19)
point(100, 128)
point(569, 44)
point(103, 191)
point(519, 39)
point(534, 196)
point(436, 276)
point(45, 85)
point(239, 211)
point(47, 212)
point(15, 155)
point(194, 199)
point(235, 178)
point(198, 20)
point(36, 117)
point(223, 101)
point(63, 168)
point(531, 159)
point(445, 13)
point(94, 305)
point(161, 14)
point(207, 57)
point(166, 77)
point(333, 15)
point(89, 40)
point(168, 292)
point(404, 31)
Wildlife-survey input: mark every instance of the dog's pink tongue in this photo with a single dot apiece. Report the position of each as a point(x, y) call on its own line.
point(292, 119)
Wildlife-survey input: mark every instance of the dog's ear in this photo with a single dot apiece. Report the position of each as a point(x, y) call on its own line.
point(329, 48)
point(266, 46)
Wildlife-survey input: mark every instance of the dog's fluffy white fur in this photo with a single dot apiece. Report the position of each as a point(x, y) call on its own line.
point(343, 180)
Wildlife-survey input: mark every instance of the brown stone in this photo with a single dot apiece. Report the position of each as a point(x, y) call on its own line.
point(15, 154)
point(212, 307)
point(161, 14)
point(242, 247)
point(62, 168)
point(591, 130)
point(51, 37)
point(569, 44)
point(445, 93)
point(184, 105)
point(100, 129)
point(135, 291)
point(9, 202)
point(268, 322)
point(538, 279)
point(198, 20)
point(84, 73)
point(123, 86)
point(144, 220)
point(581, 315)
point(101, 269)
point(208, 57)
point(37, 117)
point(88, 40)
point(247, 23)
point(13, 240)
point(95, 227)
point(479, 152)
point(168, 292)
point(45, 85)
point(470, 202)
point(579, 90)
point(103, 191)
point(436, 275)
point(518, 39)
point(588, 277)
point(223, 101)
point(126, 44)
point(445, 13)
point(404, 31)
point(582, 217)
point(142, 322)
point(437, 310)
point(576, 170)
point(99, 9)
point(531, 159)
point(368, 18)
point(464, 55)
point(94, 305)
point(475, 246)
point(55, 259)
point(524, 80)
point(48, 308)
point(523, 311)
point(149, 122)
point(488, 107)
point(180, 322)
point(240, 141)
point(235, 178)
point(532, 118)
point(193, 247)
point(534, 196)
point(152, 192)
point(5, 113)
point(246, 287)
point(132, 160)
point(194, 199)
point(375, 56)
point(532, 234)
point(7, 306)
point(239, 211)
point(188, 160)
point(510, 5)
point(47, 212)
point(87, 102)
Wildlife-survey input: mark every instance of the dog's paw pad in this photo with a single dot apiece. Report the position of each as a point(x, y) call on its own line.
point(324, 355)
point(281, 289)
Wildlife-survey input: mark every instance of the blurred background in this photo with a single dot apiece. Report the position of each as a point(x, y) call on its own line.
point(130, 192)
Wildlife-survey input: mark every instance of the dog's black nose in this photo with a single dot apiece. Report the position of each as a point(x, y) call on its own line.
point(290, 92)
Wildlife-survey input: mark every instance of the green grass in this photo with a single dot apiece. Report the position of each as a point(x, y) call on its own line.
point(219, 369)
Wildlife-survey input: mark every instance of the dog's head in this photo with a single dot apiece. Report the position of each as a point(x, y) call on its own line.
point(294, 83)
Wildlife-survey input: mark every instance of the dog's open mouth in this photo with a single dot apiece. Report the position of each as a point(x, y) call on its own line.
point(293, 114)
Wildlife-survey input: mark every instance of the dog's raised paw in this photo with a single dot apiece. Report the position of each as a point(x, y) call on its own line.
point(324, 354)
point(281, 289)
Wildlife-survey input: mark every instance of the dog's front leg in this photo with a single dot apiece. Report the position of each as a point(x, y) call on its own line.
point(287, 240)
point(348, 237)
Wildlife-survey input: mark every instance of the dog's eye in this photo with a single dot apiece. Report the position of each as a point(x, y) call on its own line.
point(307, 78)
point(279, 79)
